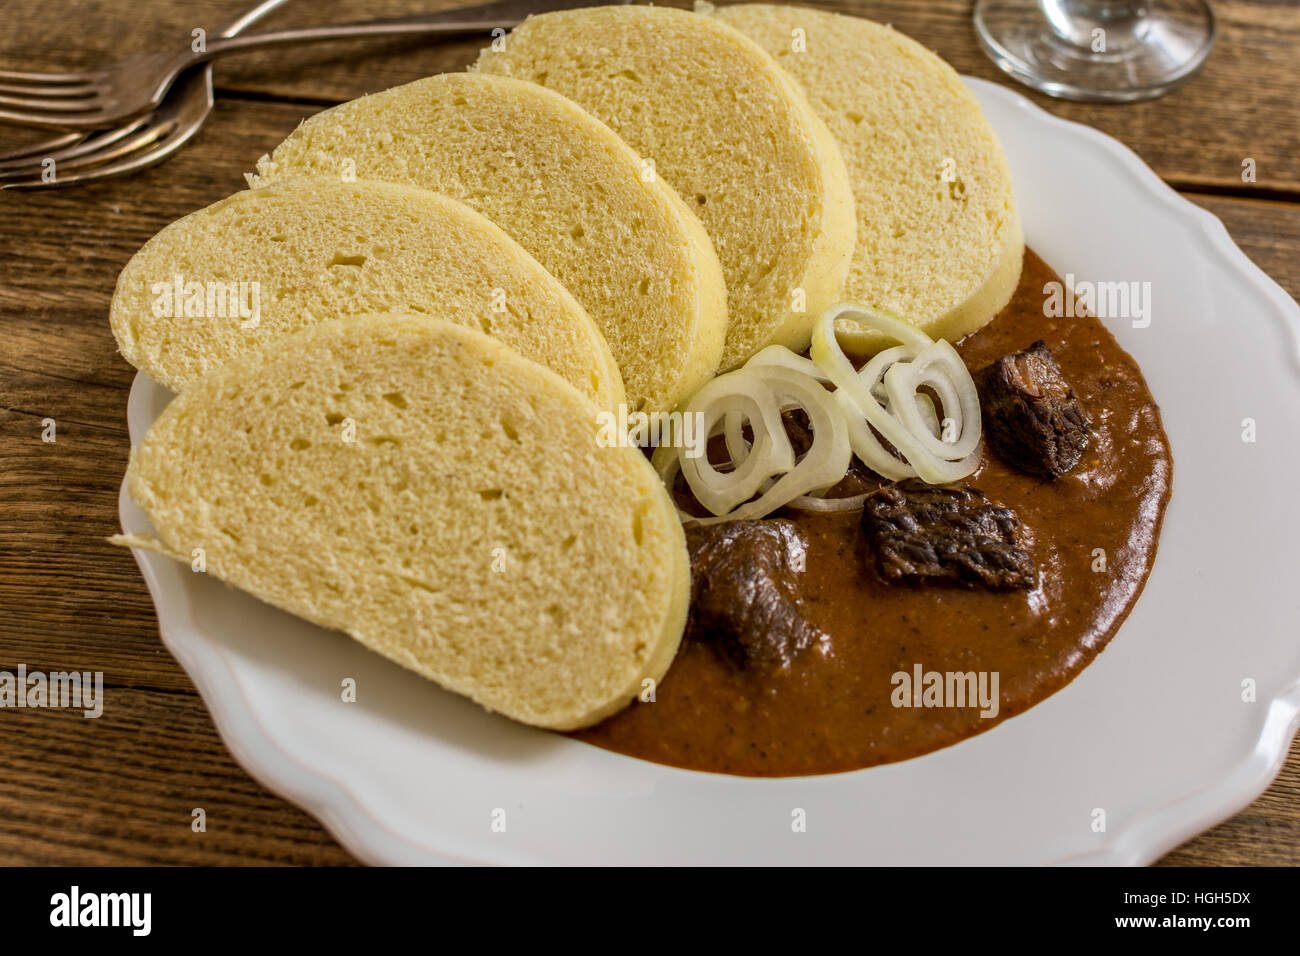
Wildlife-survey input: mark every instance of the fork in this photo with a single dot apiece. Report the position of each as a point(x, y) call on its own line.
point(99, 98)
point(153, 138)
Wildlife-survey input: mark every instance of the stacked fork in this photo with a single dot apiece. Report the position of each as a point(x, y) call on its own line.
point(94, 155)
point(138, 112)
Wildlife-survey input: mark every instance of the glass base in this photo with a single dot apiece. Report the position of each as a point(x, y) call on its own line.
point(1096, 52)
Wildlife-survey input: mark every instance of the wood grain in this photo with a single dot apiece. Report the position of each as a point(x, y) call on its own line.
point(121, 789)
point(1241, 105)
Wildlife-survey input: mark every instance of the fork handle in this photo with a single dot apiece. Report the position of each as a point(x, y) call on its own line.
point(462, 20)
point(245, 20)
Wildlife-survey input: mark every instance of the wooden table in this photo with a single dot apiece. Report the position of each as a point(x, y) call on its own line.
point(121, 789)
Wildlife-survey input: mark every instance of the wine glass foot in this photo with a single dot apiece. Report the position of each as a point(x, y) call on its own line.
point(1097, 52)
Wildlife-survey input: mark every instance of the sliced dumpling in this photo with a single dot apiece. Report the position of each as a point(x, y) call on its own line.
point(939, 239)
point(730, 131)
point(265, 263)
point(443, 500)
point(565, 187)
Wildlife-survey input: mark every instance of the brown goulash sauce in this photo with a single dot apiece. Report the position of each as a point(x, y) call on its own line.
point(830, 710)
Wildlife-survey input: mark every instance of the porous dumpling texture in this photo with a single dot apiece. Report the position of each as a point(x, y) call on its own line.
point(730, 131)
point(939, 241)
point(318, 250)
point(425, 489)
point(565, 187)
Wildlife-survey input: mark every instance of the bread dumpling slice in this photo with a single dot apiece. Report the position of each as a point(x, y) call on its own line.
point(565, 187)
point(939, 239)
point(732, 134)
point(297, 253)
point(443, 500)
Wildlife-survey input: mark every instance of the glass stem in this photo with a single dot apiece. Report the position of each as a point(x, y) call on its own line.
point(1098, 25)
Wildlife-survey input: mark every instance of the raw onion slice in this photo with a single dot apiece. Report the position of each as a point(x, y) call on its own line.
point(887, 413)
point(765, 464)
point(823, 465)
point(897, 417)
point(829, 505)
point(902, 384)
point(867, 446)
point(728, 401)
point(781, 356)
point(891, 327)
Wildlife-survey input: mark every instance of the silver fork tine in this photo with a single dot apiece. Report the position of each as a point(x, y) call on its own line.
point(68, 89)
point(43, 148)
point(110, 171)
point(14, 76)
point(76, 104)
point(129, 164)
point(123, 145)
point(80, 145)
point(47, 120)
point(53, 114)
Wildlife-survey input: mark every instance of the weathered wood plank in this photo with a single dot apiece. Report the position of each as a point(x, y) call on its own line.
point(1242, 104)
point(121, 789)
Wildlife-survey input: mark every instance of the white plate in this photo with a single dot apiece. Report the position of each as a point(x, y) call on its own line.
point(1154, 732)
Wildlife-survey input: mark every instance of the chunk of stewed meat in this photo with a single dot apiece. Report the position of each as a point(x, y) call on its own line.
point(744, 591)
point(1032, 417)
point(945, 534)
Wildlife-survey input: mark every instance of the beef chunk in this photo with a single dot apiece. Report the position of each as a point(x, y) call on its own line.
point(1032, 417)
point(931, 534)
point(744, 576)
